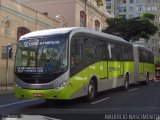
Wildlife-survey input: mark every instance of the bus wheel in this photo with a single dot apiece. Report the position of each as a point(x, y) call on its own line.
point(126, 82)
point(91, 91)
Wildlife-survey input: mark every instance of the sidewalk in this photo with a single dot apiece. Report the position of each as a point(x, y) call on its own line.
point(4, 90)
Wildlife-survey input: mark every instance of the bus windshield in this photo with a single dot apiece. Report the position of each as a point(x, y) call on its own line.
point(41, 55)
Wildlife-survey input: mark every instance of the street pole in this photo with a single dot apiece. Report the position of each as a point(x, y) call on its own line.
point(7, 69)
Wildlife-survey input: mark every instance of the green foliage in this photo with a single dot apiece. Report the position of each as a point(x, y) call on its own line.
point(157, 61)
point(148, 16)
point(132, 29)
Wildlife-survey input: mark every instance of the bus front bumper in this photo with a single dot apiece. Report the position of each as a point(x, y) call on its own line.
point(61, 94)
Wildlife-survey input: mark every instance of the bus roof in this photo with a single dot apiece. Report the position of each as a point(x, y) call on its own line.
point(142, 47)
point(105, 35)
point(49, 32)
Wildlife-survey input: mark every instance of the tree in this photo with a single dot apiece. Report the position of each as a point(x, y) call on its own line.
point(157, 60)
point(132, 29)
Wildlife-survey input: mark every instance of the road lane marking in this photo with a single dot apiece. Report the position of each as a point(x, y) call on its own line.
point(6, 105)
point(36, 117)
point(100, 100)
point(49, 118)
point(133, 89)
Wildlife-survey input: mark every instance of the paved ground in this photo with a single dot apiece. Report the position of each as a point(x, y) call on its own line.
point(139, 101)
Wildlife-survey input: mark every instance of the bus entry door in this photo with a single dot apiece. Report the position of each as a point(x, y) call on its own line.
point(103, 69)
point(120, 59)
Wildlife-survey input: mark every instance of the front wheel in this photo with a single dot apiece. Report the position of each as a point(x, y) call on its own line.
point(91, 91)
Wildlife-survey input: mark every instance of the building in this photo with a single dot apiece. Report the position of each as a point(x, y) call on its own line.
point(153, 6)
point(126, 8)
point(133, 8)
point(111, 7)
point(77, 13)
point(15, 21)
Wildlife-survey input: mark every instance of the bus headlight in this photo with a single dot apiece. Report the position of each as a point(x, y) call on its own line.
point(19, 87)
point(61, 85)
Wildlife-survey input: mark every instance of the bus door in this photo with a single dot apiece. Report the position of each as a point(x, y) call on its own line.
point(113, 66)
point(76, 62)
point(115, 60)
point(102, 47)
point(141, 64)
point(120, 59)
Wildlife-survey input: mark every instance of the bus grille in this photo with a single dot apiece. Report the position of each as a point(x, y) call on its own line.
point(38, 79)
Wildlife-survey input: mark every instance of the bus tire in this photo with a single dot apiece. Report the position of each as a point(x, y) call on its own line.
point(91, 91)
point(126, 82)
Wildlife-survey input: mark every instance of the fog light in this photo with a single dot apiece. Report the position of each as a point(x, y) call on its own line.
point(61, 85)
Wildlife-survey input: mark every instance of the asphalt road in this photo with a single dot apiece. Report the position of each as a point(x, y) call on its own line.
point(138, 100)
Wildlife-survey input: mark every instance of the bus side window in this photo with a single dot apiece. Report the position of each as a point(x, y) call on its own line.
point(76, 53)
point(119, 51)
point(112, 52)
point(140, 55)
point(152, 58)
point(90, 50)
point(102, 54)
point(127, 53)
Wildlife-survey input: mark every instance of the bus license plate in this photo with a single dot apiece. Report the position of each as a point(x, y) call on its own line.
point(37, 94)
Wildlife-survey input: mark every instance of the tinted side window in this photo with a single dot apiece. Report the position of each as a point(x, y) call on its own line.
point(151, 58)
point(82, 52)
point(140, 58)
point(141, 55)
point(128, 53)
point(76, 52)
point(146, 56)
point(90, 49)
point(119, 53)
point(112, 52)
point(102, 50)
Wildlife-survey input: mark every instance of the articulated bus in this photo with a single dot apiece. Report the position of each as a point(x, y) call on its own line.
point(68, 63)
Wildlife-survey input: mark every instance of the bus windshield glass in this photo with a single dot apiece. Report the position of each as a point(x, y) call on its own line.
point(41, 55)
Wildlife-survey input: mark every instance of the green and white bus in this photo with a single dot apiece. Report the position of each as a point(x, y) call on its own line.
point(68, 63)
